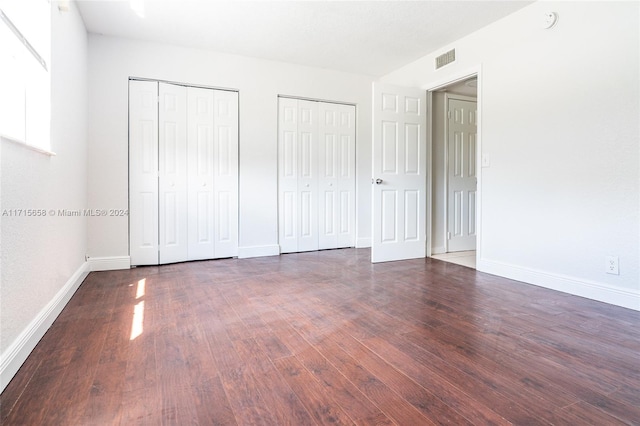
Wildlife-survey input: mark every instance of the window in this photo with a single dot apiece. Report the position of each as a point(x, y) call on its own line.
point(25, 87)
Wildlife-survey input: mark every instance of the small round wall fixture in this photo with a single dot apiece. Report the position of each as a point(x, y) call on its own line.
point(549, 20)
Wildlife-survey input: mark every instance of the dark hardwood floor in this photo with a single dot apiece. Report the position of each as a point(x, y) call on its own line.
point(327, 337)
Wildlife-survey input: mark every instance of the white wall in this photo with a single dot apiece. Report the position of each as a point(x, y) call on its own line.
point(41, 257)
point(112, 61)
point(560, 125)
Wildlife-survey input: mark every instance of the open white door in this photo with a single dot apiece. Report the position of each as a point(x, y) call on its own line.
point(399, 173)
point(462, 177)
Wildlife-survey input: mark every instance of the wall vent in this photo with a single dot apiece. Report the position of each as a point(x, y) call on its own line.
point(446, 58)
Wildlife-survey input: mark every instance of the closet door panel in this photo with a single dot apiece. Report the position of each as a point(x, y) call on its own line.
point(143, 172)
point(328, 153)
point(288, 174)
point(337, 175)
point(345, 212)
point(225, 172)
point(172, 182)
point(200, 161)
point(307, 194)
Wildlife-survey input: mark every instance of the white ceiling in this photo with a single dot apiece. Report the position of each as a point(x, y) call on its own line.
point(368, 37)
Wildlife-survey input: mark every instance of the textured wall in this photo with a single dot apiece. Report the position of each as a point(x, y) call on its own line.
point(39, 255)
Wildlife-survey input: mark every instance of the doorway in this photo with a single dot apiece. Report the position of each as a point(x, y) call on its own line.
point(454, 165)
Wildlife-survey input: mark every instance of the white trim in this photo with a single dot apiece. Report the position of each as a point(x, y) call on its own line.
point(438, 250)
point(363, 242)
point(16, 354)
point(453, 78)
point(302, 98)
point(28, 146)
point(258, 251)
point(449, 96)
point(111, 263)
point(178, 83)
point(626, 298)
point(429, 193)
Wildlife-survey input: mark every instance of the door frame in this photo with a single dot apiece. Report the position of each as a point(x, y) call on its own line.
point(447, 98)
point(430, 88)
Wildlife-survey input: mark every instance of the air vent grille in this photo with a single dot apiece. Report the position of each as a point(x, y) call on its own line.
point(446, 58)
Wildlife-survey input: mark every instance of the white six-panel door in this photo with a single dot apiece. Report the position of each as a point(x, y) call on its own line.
point(399, 173)
point(316, 175)
point(143, 172)
point(298, 175)
point(461, 175)
point(212, 173)
point(183, 173)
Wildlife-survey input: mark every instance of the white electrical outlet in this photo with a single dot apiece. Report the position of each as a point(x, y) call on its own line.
point(611, 265)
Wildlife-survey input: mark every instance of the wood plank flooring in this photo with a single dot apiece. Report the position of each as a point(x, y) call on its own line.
point(327, 338)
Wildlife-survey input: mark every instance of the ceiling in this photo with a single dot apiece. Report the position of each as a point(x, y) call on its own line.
point(367, 37)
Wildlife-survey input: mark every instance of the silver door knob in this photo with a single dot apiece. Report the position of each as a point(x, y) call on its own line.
point(376, 181)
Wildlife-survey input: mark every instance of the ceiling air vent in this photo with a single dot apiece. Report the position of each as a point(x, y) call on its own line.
point(446, 58)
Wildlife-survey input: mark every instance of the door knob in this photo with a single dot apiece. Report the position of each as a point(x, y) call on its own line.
point(376, 181)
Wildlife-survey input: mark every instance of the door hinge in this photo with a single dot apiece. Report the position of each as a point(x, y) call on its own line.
point(449, 114)
point(448, 235)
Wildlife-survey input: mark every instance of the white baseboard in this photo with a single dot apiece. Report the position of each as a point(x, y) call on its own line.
point(363, 242)
point(17, 353)
point(623, 297)
point(109, 263)
point(258, 251)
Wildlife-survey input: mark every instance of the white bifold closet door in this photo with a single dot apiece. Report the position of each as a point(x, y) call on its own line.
point(316, 150)
point(184, 175)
